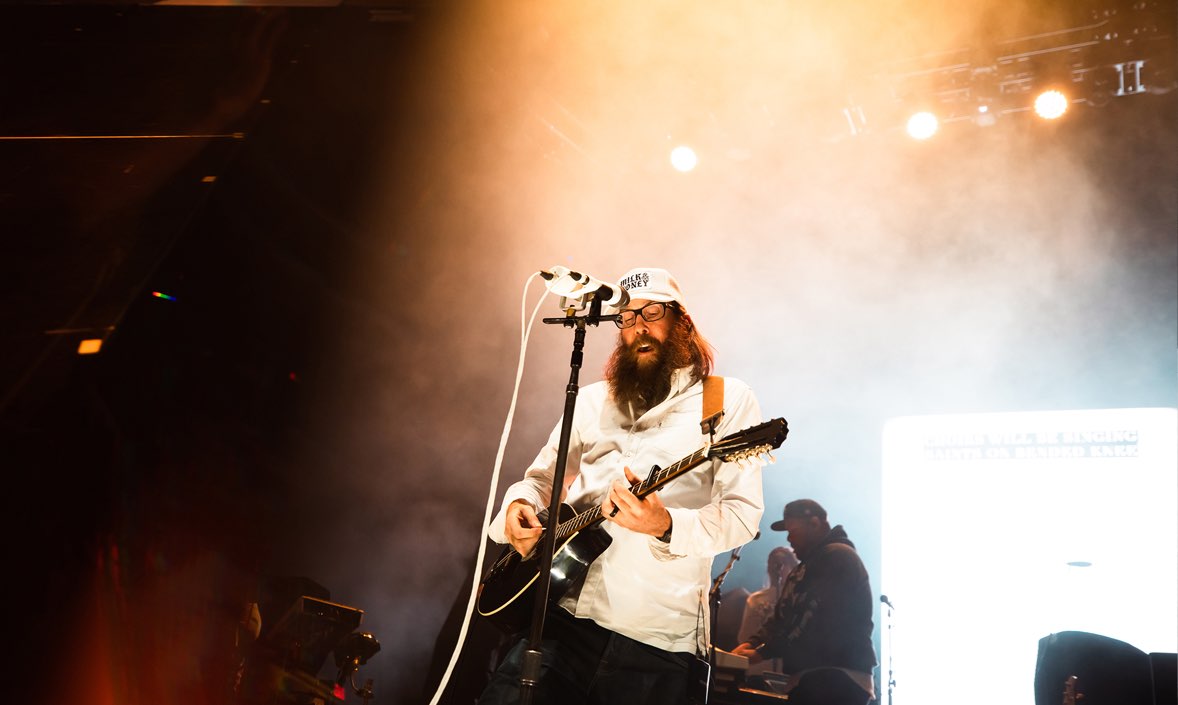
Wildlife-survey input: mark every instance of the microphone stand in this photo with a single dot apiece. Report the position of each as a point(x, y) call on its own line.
point(891, 676)
point(714, 604)
point(530, 667)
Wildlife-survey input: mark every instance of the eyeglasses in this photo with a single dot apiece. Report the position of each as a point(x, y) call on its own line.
point(650, 313)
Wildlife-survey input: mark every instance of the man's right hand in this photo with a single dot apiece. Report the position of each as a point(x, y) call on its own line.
point(523, 527)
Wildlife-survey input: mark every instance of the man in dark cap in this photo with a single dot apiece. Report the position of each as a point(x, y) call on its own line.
point(821, 627)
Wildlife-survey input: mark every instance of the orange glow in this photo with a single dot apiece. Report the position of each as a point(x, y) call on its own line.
point(89, 346)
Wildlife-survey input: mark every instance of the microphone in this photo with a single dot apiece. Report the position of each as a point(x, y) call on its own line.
point(884, 599)
point(574, 285)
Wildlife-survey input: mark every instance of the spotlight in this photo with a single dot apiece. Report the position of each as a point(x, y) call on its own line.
point(683, 158)
point(985, 116)
point(1051, 104)
point(922, 125)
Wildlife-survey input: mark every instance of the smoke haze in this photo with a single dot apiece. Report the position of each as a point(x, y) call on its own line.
point(847, 279)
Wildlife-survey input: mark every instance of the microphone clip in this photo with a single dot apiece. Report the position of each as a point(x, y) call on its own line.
point(581, 293)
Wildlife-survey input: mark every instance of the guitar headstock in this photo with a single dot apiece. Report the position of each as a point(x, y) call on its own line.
point(750, 442)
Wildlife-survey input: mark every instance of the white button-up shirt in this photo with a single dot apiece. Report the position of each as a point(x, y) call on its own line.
point(651, 591)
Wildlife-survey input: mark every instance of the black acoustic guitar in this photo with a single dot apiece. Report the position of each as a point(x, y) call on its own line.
point(505, 595)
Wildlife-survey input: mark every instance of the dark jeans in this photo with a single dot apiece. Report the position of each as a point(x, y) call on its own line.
point(584, 664)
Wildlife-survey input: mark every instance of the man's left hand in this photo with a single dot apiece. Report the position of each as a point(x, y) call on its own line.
point(646, 516)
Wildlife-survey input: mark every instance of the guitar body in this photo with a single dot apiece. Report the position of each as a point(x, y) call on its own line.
point(507, 597)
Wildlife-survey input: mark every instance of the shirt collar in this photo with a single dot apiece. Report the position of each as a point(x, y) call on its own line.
point(680, 381)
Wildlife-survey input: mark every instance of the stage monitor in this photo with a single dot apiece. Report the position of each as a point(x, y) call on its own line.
point(308, 632)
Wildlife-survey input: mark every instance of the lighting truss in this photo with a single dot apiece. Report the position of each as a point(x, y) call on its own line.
point(1117, 52)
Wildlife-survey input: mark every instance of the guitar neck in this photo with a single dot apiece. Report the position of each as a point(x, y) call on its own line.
point(660, 477)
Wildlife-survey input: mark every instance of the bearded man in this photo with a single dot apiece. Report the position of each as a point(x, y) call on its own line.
point(629, 632)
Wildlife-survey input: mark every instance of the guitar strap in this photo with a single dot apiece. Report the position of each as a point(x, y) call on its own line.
point(713, 408)
point(700, 669)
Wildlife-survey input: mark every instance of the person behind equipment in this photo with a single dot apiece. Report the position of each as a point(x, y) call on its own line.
point(758, 607)
point(821, 627)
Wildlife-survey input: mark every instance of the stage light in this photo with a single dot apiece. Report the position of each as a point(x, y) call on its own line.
point(353, 652)
point(1051, 104)
point(986, 116)
point(90, 346)
point(922, 125)
point(683, 158)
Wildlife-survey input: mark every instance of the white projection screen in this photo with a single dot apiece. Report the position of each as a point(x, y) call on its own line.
point(999, 529)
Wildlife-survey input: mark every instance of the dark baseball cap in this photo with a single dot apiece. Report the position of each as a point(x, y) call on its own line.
point(799, 509)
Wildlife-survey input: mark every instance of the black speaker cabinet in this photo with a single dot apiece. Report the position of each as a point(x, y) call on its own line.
point(1165, 678)
point(1106, 671)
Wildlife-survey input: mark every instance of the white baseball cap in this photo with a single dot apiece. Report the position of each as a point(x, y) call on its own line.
point(652, 284)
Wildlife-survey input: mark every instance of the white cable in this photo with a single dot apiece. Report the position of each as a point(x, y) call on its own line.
point(524, 336)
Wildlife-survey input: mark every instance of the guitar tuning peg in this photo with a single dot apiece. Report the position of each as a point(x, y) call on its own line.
point(770, 459)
